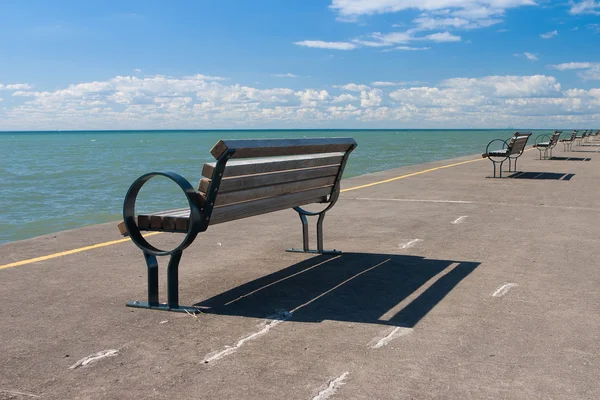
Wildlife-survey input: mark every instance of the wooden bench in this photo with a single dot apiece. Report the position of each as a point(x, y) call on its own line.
point(265, 175)
point(568, 142)
point(511, 150)
point(545, 144)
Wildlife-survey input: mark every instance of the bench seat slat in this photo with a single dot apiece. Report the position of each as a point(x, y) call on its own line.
point(262, 165)
point(251, 148)
point(246, 182)
point(178, 220)
point(270, 191)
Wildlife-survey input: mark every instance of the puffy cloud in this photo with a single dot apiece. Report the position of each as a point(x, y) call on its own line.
point(409, 48)
point(588, 70)
point(442, 37)
point(352, 87)
point(320, 44)
point(344, 98)
point(549, 35)
point(529, 56)
point(585, 7)
point(361, 7)
point(311, 97)
point(572, 65)
point(288, 75)
point(16, 86)
point(371, 98)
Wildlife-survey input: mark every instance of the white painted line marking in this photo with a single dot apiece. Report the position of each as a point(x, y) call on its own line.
point(279, 318)
point(460, 219)
point(268, 325)
point(19, 393)
point(502, 290)
point(481, 203)
point(94, 357)
point(281, 280)
point(395, 333)
point(331, 388)
point(409, 244)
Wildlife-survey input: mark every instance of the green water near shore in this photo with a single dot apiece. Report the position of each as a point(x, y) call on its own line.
point(52, 181)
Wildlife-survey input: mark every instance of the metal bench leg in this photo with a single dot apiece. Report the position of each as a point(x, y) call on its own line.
point(305, 238)
point(172, 286)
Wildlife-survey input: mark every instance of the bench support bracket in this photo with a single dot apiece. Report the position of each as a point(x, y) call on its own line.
point(305, 239)
point(172, 286)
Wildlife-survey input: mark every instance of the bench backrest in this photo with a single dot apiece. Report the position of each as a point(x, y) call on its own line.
point(517, 143)
point(573, 136)
point(554, 138)
point(268, 175)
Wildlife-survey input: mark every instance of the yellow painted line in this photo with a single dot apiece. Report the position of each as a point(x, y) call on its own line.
point(99, 245)
point(66, 253)
point(408, 175)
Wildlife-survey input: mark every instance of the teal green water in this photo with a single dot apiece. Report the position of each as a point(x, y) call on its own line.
point(52, 181)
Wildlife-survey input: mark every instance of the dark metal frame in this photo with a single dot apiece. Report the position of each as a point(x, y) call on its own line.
point(335, 193)
point(568, 143)
point(199, 221)
point(497, 159)
point(542, 147)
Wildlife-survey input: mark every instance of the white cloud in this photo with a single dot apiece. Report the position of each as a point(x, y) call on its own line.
point(16, 86)
point(320, 44)
point(409, 48)
point(549, 35)
point(528, 55)
point(311, 97)
point(506, 86)
point(288, 75)
point(585, 7)
point(344, 98)
point(442, 37)
point(371, 98)
point(370, 7)
point(384, 83)
point(589, 70)
point(352, 87)
point(572, 65)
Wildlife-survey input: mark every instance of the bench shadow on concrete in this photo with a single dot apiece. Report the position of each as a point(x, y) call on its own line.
point(570, 158)
point(353, 287)
point(555, 176)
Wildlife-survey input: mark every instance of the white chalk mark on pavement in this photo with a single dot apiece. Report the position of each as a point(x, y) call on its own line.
point(460, 219)
point(94, 357)
point(395, 333)
point(278, 318)
point(331, 388)
point(19, 393)
point(268, 324)
point(502, 290)
point(409, 244)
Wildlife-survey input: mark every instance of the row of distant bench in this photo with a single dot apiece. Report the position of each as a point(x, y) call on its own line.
point(513, 148)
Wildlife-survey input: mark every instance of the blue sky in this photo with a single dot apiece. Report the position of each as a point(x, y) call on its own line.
point(299, 64)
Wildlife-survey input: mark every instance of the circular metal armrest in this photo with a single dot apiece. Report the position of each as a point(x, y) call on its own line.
point(504, 146)
point(542, 138)
point(129, 213)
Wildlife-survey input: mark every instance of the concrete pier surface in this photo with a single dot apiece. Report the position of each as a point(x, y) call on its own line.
point(451, 286)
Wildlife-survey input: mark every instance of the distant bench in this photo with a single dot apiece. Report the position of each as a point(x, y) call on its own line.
point(275, 174)
point(510, 150)
point(545, 144)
